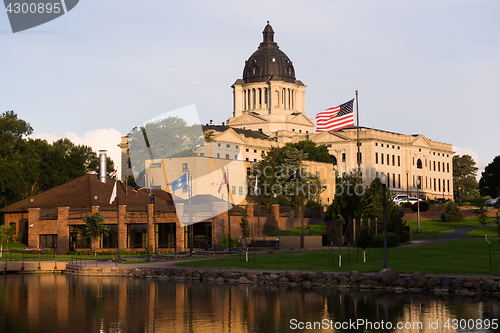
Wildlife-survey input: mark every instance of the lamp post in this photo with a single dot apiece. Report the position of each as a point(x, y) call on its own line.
point(383, 180)
point(274, 195)
point(418, 205)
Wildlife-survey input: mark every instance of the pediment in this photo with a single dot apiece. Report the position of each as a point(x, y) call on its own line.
point(328, 137)
point(231, 136)
point(301, 119)
point(246, 119)
point(422, 141)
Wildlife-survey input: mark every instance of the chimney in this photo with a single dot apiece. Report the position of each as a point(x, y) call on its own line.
point(102, 165)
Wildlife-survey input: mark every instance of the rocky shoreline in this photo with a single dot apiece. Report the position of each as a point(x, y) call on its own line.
point(387, 279)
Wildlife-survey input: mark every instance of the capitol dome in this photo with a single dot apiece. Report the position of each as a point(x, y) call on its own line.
point(268, 62)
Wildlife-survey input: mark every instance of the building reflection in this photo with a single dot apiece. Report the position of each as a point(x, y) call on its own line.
point(59, 303)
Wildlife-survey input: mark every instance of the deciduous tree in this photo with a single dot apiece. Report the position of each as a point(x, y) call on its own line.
point(489, 184)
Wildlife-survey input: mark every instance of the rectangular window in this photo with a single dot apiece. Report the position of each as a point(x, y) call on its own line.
point(434, 162)
point(233, 189)
point(388, 180)
point(111, 240)
point(137, 235)
point(448, 169)
point(48, 241)
point(247, 152)
point(165, 235)
point(202, 154)
point(235, 157)
point(376, 158)
point(360, 158)
point(255, 150)
point(434, 184)
point(448, 184)
point(443, 166)
point(399, 160)
point(382, 158)
point(155, 165)
point(228, 146)
point(227, 156)
point(439, 166)
point(240, 190)
point(399, 180)
point(393, 160)
point(218, 155)
point(343, 157)
point(77, 238)
point(439, 185)
point(184, 167)
point(388, 159)
point(394, 179)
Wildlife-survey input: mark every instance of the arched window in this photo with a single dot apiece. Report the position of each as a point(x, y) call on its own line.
point(419, 164)
point(333, 159)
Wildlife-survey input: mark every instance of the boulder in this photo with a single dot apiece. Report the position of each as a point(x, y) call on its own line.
point(297, 276)
point(433, 282)
point(355, 276)
point(386, 276)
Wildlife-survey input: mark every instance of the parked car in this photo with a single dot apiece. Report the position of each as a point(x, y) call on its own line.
point(440, 200)
point(492, 202)
point(399, 198)
point(406, 199)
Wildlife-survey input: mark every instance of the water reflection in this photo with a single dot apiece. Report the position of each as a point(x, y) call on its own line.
point(60, 303)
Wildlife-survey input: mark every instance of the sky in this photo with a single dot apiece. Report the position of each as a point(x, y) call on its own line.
point(421, 67)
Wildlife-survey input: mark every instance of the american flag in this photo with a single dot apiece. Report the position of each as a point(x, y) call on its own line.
point(334, 119)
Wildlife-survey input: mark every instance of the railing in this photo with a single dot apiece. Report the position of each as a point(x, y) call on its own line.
point(79, 213)
point(47, 214)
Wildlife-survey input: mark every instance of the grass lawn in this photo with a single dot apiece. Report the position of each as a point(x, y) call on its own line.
point(491, 231)
point(316, 230)
point(435, 225)
point(453, 257)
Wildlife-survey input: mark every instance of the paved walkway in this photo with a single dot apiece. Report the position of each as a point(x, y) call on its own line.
point(457, 234)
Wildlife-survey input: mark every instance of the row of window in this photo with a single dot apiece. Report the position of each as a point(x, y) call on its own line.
point(391, 159)
point(386, 145)
point(258, 98)
point(388, 160)
point(430, 183)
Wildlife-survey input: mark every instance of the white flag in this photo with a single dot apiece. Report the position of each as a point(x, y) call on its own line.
point(113, 195)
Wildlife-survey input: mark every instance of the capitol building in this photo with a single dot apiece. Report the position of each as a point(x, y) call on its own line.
point(269, 110)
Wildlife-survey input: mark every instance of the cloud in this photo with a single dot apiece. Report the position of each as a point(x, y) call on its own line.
point(98, 139)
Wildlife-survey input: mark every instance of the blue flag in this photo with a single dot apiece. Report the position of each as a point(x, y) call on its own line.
point(141, 185)
point(179, 182)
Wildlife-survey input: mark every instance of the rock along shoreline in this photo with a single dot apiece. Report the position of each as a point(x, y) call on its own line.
point(387, 279)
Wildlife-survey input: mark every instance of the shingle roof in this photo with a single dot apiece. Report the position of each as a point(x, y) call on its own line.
point(80, 193)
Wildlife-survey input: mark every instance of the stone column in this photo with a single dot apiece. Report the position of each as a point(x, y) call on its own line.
point(33, 227)
point(122, 227)
point(62, 230)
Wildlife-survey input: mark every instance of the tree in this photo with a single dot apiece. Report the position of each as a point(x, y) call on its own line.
point(489, 184)
point(6, 235)
point(94, 226)
point(314, 153)
point(244, 223)
point(29, 166)
point(480, 213)
point(464, 174)
point(280, 173)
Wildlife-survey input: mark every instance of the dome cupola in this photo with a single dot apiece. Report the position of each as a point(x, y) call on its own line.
point(268, 62)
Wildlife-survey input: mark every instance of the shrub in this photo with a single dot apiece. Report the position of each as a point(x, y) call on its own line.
point(364, 237)
point(311, 203)
point(467, 204)
point(378, 240)
point(424, 206)
point(452, 213)
point(404, 236)
point(406, 204)
point(224, 241)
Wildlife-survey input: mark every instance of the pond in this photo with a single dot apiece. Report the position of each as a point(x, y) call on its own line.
point(64, 303)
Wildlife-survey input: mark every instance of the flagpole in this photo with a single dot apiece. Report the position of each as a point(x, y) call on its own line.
point(357, 142)
point(190, 227)
point(117, 226)
point(228, 209)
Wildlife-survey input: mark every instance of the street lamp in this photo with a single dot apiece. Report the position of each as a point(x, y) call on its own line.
point(383, 180)
point(274, 195)
point(418, 205)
